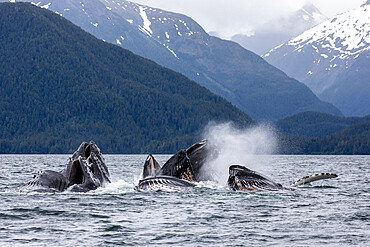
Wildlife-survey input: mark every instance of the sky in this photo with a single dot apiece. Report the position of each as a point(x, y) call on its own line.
point(230, 17)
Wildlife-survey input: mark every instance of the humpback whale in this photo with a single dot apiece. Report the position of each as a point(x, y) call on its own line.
point(244, 179)
point(85, 171)
point(181, 170)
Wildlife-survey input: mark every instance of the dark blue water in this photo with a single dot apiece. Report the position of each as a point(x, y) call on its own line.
point(334, 212)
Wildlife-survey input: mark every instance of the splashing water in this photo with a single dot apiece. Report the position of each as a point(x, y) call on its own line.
point(248, 147)
point(119, 186)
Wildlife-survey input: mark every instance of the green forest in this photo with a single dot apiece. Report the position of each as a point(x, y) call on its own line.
point(319, 133)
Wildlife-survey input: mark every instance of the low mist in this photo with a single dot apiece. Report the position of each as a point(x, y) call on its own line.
point(249, 147)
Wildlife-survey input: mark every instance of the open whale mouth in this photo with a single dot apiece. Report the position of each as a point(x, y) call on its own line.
point(76, 175)
point(87, 151)
point(151, 167)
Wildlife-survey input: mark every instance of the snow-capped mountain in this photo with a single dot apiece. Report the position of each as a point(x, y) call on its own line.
point(280, 30)
point(333, 59)
point(178, 42)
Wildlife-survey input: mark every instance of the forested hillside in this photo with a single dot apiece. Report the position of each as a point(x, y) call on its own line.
point(178, 42)
point(316, 124)
point(354, 139)
point(60, 85)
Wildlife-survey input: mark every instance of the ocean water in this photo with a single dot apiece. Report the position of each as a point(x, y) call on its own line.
point(334, 212)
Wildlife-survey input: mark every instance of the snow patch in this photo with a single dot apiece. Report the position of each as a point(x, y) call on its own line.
point(46, 6)
point(347, 33)
point(173, 53)
point(36, 4)
point(146, 22)
point(144, 31)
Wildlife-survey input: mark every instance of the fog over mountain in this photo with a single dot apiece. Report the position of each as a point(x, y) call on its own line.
point(280, 30)
point(224, 18)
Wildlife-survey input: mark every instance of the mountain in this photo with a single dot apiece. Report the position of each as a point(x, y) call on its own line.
point(59, 86)
point(281, 30)
point(315, 124)
point(333, 59)
point(178, 42)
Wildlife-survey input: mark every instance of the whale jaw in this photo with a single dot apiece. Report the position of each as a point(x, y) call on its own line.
point(163, 183)
point(47, 181)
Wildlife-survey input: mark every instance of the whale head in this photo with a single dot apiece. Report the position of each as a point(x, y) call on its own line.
point(87, 171)
point(243, 179)
point(187, 164)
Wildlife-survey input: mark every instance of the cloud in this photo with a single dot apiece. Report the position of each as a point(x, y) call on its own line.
point(230, 17)
point(227, 17)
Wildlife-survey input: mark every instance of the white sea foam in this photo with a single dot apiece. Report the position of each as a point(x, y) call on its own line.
point(116, 187)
